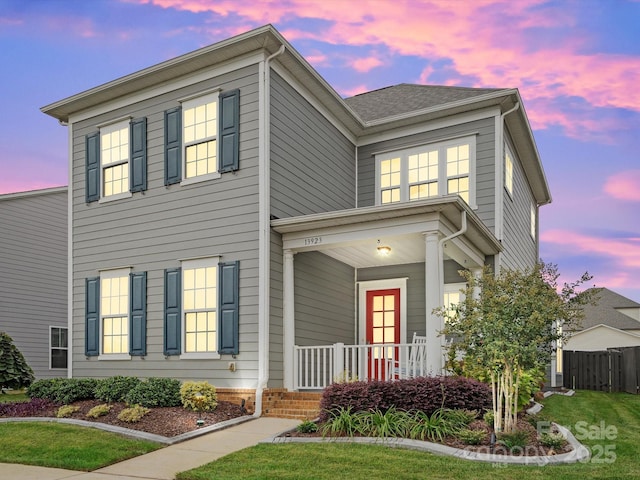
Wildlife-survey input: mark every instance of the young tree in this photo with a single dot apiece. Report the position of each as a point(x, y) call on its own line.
point(508, 324)
point(14, 371)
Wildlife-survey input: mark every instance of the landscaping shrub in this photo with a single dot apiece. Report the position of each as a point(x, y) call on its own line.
point(155, 392)
point(99, 411)
point(199, 396)
point(63, 390)
point(25, 409)
point(307, 427)
point(472, 437)
point(14, 371)
point(133, 414)
point(115, 389)
point(66, 411)
point(425, 394)
point(553, 440)
point(518, 439)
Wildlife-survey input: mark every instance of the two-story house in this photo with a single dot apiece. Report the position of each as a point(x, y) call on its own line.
point(235, 220)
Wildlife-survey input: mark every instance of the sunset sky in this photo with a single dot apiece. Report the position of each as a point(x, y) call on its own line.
point(576, 63)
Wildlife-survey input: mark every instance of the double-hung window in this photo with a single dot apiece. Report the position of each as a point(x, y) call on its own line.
point(426, 171)
point(508, 170)
point(200, 305)
point(201, 299)
point(114, 312)
point(114, 158)
point(202, 137)
point(59, 347)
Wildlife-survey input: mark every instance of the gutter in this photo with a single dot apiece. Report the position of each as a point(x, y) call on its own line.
point(264, 209)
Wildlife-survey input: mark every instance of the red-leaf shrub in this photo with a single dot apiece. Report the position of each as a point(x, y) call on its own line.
point(426, 394)
point(25, 409)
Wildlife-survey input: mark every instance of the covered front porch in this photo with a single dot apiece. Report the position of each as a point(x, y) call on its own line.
point(360, 286)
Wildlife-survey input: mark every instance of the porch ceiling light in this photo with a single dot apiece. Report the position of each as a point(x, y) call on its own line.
point(383, 250)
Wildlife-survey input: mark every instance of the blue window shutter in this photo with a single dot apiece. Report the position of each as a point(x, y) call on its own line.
point(228, 284)
point(173, 146)
point(229, 125)
point(172, 311)
point(92, 317)
point(92, 153)
point(138, 314)
point(138, 155)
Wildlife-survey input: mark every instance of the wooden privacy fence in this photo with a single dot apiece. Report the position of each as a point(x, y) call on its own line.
point(613, 370)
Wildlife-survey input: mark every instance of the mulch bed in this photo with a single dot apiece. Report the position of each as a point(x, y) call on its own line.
point(533, 448)
point(164, 421)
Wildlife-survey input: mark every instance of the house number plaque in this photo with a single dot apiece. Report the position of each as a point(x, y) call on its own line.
point(312, 241)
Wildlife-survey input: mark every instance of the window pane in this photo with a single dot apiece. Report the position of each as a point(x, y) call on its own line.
point(58, 358)
point(378, 319)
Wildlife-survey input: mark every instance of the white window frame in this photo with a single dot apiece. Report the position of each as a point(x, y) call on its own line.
point(105, 130)
point(115, 273)
point(508, 170)
point(51, 347)
point(189, 264)
point(191, 102)
point(441, 146)
point(533, 221)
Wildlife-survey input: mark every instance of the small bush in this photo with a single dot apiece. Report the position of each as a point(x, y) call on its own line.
point(99, 411)
point(489, 418)
point(392, 423)
point(460, 418)
point(432, 427)
point(552, 440)
point(63, 390)
point(199, 396)
point(15, 373)
point(426, 394)
point(516, 439)
point(66, 411)
point(307, 427)
point(341, 421)
point(25, 409)
point(471, 437)
point(115, 389)
point(133, 414)
point(155, 392)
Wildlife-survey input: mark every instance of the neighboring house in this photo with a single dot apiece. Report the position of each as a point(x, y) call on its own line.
point(614, 321)
point(231, 213)
point(33, 277)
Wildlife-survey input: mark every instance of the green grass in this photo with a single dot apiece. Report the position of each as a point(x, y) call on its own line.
point(371, 462)
point(66, 446)
point(14, 397)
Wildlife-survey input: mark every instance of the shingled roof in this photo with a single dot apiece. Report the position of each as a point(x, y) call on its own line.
point(605, 311)
point(405, 98)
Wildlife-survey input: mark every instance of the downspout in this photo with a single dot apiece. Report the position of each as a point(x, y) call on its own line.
point(264, 159)
point(462, 231)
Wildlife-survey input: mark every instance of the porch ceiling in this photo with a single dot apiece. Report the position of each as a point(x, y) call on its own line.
point(352, 236)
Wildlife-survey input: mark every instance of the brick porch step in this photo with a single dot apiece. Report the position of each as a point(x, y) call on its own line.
point(297, 405)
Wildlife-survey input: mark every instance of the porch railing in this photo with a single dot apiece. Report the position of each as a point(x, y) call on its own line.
point(316, 367)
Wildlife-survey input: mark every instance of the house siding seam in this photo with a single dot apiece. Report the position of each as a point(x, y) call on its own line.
point(485, 163)
point(151, 232)
point(33, 284)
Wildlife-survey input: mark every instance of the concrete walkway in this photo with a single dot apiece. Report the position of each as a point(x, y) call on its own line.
point(163, 464)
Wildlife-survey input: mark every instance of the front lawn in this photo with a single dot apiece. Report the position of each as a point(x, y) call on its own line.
point(66, 446)
point(591, 416)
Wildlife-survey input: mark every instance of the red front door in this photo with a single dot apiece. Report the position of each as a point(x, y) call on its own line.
point(383, 326)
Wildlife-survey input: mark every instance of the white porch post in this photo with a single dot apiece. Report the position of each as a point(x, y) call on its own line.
point(433, 299)
point(477, 274)
point(288, 320)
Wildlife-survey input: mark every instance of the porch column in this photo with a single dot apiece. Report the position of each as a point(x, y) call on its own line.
point(477, 274)
point(288, 320)
point(433, 299)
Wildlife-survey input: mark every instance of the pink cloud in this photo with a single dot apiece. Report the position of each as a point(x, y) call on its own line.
point(624, 185)
point(623, 251)
point(487, 42)
point(363, 65)
point(350, 92)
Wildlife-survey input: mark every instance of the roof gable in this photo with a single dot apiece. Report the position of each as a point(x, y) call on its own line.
point(605, 311)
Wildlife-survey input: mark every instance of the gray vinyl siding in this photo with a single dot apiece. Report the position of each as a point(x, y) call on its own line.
point(312, 163)
point(485, 162)
point(33, 279)
point(520, 248)
point(324, 300)
point(276, 361)
point(156, 229)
